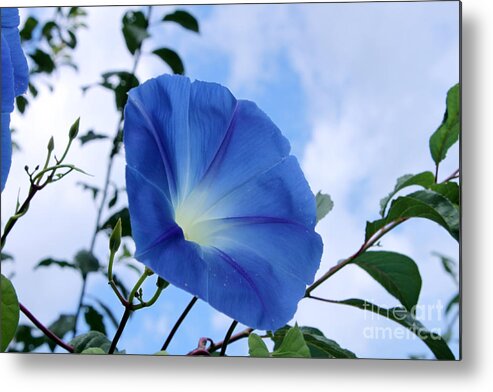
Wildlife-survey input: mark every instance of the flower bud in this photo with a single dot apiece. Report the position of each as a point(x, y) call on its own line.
point(116, 237)
point(51, 144)
point(74, 129)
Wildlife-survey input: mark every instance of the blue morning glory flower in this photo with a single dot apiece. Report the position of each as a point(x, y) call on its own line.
point(218, 207)
point(15, 75)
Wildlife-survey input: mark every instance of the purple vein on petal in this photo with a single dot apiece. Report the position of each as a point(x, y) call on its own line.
point(242, 272)
point(255, 252)
point(153, 131)
point(218, 156)
point(188, 162)
point(256, 220)
point(150, 183)
point(172, 232)
point(216, 202)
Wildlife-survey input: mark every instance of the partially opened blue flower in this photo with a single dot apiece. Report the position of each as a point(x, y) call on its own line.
point(15, 75)
point(218, 206)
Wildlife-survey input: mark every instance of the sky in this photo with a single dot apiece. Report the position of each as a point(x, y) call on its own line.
point(356, 88)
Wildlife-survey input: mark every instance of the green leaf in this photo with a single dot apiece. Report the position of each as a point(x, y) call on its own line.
point(430, 205)
point(454, 301)
point(124, 215)
point(60, 263)
point(120, 82)
point(48, 28)
point(319, 345)
point(397, 273)
point(93, 351)
point(6, 257)
point(114, 199)
point(71, 41)
point(90, 136)
point(425, 179)
point(447, 133)
point(257, 347)
point(107, 311)
point(324, 205)
point(30, 24)
point(33, 90)
point(449, 265)
point(184, 19)
point(43, 62)
point(94, 320)
point(60, 327)
point(434, 341)
point(24, 337)
point(293, 345)
point(86, 262)
point(134, 29)
point(9, 312)
point(21, 103)
point(373, 227)
point(171, 58)
point(449, 190)
point(91, 339)
point(75, 12)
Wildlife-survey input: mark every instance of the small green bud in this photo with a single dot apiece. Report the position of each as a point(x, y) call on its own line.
point(74, 129)
point(116, 237)
point(51, 144)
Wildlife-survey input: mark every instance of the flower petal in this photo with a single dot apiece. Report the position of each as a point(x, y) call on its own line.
point(287, 246)
point(218, 206)
point(281, 192)
point(10, 32)
point(7, 80)
point(9, 17)
point(151, 214)
point(6, 151)
point(180, 262)
point(187, 139)
point(248, 289)
point(253, 145)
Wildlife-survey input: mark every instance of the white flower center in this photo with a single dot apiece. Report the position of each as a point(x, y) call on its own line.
point(195, 230)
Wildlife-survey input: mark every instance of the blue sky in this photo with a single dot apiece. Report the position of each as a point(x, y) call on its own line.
point(356, 88)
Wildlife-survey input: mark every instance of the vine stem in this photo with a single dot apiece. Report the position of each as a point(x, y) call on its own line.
point(240, 335)
point(120, 329)
point(79, 307)
point(454, 175)
point(367, 244)
point(178, 323)
point(330, 301)
point(22, 210)
point(129, 308)
point(45, 330)
point(227, 338)
point(109, 168)
point(111, 159)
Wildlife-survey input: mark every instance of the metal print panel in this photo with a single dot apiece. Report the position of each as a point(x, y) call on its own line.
point(268, 180)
